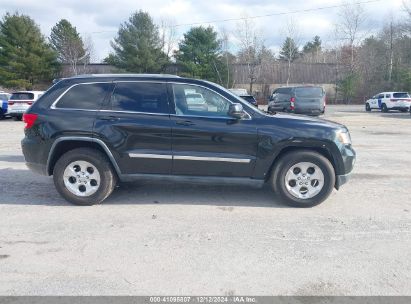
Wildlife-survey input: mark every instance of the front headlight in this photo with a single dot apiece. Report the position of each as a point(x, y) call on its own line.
point(344, 137)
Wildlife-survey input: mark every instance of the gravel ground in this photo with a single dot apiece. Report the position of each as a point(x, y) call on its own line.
point(174, 239)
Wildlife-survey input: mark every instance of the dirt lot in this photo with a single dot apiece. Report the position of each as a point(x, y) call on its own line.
point(178, 239)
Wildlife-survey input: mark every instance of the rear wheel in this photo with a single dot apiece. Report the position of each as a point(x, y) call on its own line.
point(403, 110)
point(303, 178)
point(384, 108)
point(84, 177)
point(17, 118)
point(367, 107)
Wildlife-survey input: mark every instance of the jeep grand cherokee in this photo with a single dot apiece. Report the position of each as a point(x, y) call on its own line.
point(93, 131)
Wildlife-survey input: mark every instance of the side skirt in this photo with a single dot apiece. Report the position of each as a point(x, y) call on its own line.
point(214, 180)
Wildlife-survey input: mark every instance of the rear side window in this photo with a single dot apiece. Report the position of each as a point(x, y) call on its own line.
point(140, 97)
point(22, 96)
point(313, 92)
point(401, 95)
point(85, 96)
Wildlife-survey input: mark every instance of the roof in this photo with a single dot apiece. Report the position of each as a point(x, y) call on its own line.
point(35, 92)
point(125, 75)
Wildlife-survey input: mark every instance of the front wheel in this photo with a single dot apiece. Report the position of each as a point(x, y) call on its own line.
point(367, 107)
point(303, 178)
point(84, 177)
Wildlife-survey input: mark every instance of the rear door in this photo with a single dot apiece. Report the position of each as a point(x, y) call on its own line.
point(207, 142)
point(136, 126)
point(309, 99)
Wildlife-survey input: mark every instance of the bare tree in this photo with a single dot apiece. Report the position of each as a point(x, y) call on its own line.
point(225, 49)
point(291, 46)
point(250, 43)
point(352, 18)
point(168, 35)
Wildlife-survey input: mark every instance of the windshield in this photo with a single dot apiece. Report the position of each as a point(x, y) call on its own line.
point(309, 92)
point(4, 97)
point(22, 96)
point(248, 98)
point(401, 95)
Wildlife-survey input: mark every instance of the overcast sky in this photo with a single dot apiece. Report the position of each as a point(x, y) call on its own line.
point(99, 19)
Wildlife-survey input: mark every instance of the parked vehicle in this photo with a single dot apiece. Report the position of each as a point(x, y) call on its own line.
point(244, 95)
point(20, 101)
point(4, 98)
point(139, 127)
point(196, 102)
point(301, 100)
point(250, 99)
point(387, 101)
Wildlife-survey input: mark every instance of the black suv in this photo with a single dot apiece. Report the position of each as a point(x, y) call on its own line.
point(91, 132)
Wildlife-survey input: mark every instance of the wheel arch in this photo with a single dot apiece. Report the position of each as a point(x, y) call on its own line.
point(64, 144)
point(322, 150)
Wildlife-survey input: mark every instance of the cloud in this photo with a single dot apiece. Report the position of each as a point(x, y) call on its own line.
point(100, 19)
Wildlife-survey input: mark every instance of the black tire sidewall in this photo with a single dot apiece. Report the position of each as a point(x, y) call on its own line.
point(288, 161)
point(107, 180)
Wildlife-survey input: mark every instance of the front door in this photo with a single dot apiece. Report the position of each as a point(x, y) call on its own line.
point(206, 141)
point(136, 125)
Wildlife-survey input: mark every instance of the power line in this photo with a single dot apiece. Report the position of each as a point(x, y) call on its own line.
point(261, 16)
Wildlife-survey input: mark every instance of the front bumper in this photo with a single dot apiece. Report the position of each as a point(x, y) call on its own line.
point(341, 180)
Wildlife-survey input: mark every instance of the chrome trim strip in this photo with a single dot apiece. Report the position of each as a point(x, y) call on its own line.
point(187, 157)
point(215, 159)
point(144, 155)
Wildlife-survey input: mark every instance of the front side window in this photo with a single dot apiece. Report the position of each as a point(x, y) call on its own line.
point(198, 101)
point(85, 96)
point(143, 97)
point(380, 96)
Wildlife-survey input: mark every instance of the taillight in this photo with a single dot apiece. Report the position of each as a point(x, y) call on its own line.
point(30, 103)
point(292, 105)
point(11, 103)
point(393, 100)
point(29, 119)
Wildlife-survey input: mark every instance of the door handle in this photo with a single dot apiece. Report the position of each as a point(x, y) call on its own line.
point(185, 123)
point(109, 118)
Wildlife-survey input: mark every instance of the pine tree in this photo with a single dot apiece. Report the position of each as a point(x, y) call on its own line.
point(25, 57)
point(138, 47)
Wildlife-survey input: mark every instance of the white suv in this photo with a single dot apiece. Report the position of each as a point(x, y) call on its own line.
point(386, 101)
point(20, 101)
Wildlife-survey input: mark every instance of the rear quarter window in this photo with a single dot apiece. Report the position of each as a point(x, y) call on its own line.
point(401, 95)
point(4, 97)
point(22, 96)
point(85, 96)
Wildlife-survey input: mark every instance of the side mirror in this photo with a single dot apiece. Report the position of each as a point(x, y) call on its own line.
point(236, 110)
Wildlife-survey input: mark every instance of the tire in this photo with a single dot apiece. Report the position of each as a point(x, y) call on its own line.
point(384, 108)
point(98, 184)
point(284, 167)
point(17, 118)
point(404, 110)
point(367, 107)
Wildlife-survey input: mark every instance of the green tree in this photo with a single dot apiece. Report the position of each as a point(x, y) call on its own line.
point(67, 43)
point(138, 47)
point(200, 55)
point(313, 46)
point(25, 57)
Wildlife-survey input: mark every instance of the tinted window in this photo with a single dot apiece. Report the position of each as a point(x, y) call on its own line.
point(140, 97)
point(380, 96)
point(387, 95)
point(208, 104)
point(22, 96)
point(283, 91)
point(85, 96)
point(313, 92)
point(401, 95)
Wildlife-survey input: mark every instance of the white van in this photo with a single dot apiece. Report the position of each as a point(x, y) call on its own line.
point(20, 101)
